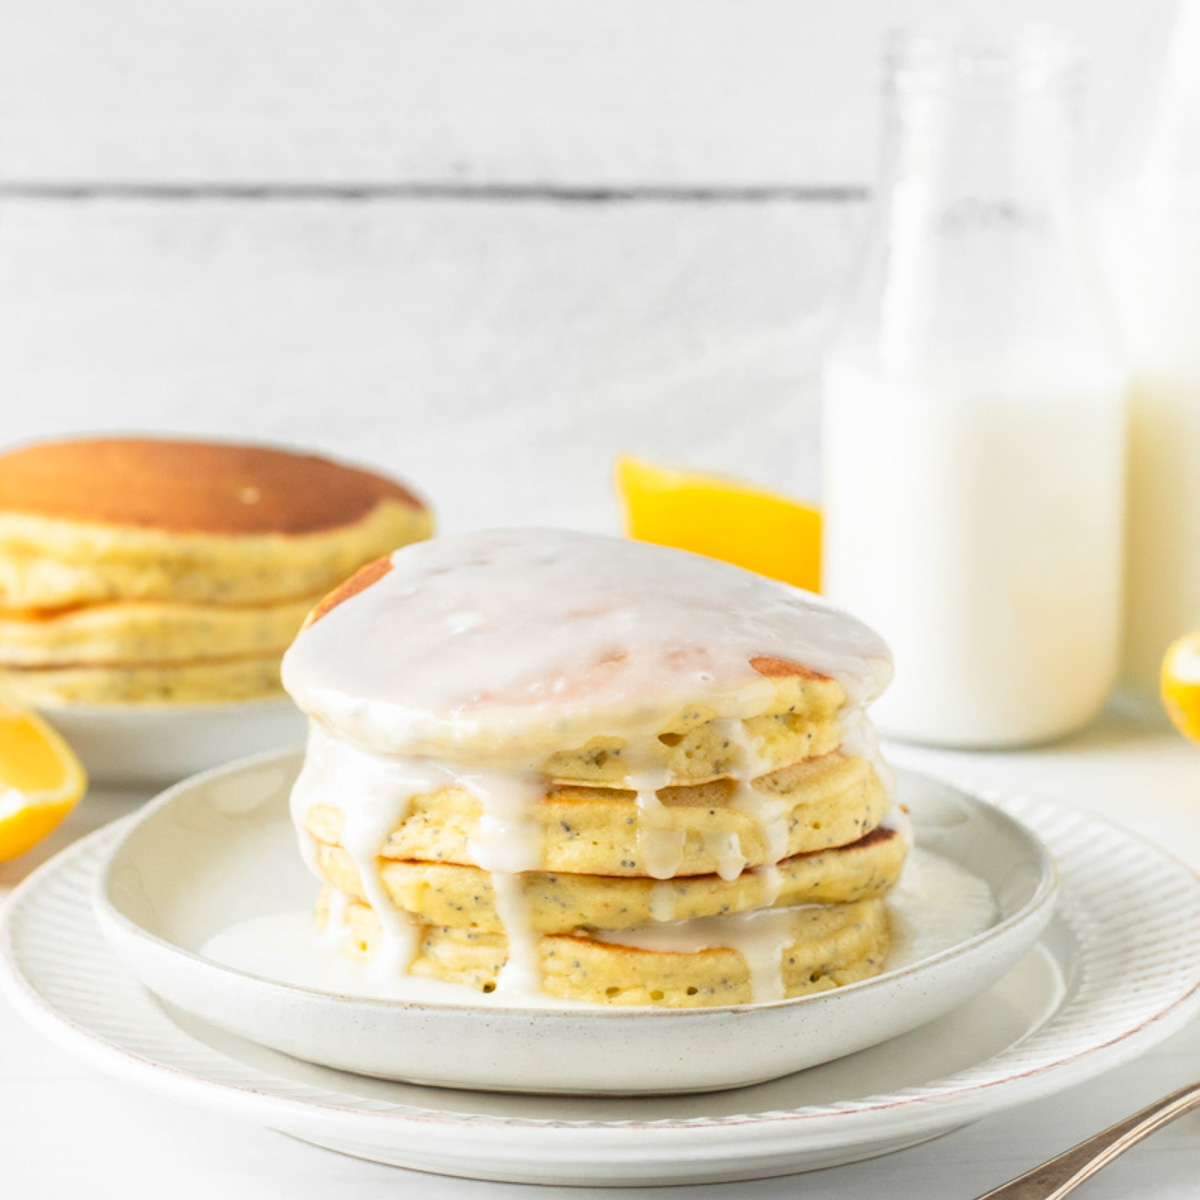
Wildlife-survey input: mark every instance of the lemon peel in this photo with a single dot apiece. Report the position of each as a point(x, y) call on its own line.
point(41, 779)
point(1179, 684)
point(722, 518)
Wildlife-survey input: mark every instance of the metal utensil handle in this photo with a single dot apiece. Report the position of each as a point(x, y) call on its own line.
point(1063, 1173)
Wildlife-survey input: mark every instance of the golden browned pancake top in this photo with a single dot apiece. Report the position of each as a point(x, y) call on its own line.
point(362, 578)
point(189, 487)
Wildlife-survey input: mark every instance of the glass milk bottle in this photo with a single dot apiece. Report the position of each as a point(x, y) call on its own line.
point(1152, 239)
point(973, 420)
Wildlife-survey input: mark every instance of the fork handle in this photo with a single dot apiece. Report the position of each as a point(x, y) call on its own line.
point(1062, 1174)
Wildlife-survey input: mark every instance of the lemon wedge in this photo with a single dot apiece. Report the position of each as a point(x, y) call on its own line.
point(722, 518)
point(1179, 683)
point(41, 780)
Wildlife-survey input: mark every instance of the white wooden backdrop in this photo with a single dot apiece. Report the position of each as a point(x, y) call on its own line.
point(484, 244)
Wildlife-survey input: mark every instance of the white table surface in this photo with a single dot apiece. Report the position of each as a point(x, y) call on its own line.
point(66, 1130)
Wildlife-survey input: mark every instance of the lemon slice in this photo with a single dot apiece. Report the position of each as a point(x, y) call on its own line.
point(1179, 682)
point(41, 780)
point(722, 518)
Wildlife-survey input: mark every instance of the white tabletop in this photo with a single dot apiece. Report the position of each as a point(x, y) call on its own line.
point(67, 1130)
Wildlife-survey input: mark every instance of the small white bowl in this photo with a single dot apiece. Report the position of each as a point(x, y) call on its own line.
point(220, 848)
point(160, 744)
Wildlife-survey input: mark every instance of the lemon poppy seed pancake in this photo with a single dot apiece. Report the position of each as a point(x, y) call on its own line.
point(722, 826)
point(796, 952)
point(514, 647)
point(144, 570)
point(147, 518)
point(443, 894)
point(199, 682)
point(532, 736)
point(146, 631)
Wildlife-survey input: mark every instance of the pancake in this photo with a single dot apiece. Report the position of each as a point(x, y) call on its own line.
point(138, 571)
point(599, 831)
point(817, 948)
point(507, 649)
point(541, 761)
point(154, 519)
point(441, 894)
point(146, 631)
point(696, 745)
point(201, 682)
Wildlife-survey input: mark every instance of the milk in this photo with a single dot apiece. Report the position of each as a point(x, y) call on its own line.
point(1150, 235)
point(1164, 520)
point(974, 519)
point(1155, 260)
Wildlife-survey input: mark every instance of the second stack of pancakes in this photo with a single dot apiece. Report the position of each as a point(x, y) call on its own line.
point(550, 763)
point(153, 571)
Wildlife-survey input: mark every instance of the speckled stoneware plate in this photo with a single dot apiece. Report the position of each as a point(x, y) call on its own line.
point(1115, 971)
point(220, 848)
point(147, 744)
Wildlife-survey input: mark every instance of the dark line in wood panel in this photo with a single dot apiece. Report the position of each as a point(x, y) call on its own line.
point(399, 192)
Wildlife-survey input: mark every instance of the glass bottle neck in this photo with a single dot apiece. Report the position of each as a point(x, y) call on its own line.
point(1172, 151)
point(979, 251)
point(976, 139)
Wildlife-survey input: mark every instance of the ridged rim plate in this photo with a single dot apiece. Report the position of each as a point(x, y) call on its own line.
point(1117, 970)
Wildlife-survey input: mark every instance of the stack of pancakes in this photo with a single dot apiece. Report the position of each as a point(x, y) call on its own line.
point(543, 762)
point(144, 571)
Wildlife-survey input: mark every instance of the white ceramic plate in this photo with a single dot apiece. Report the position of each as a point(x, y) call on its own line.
point(220, 848)
point(132, 744)
point(1116, 971)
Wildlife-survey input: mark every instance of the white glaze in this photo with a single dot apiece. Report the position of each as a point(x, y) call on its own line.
point(770, 813)
point(858, 739)
point(660, 846)
point(521, 974)
point(285, 948)
point(336, 924)
point(662, 901)
point(936, 904)
point(726, 848)
point(382, 792)
point(759, 937)
point(374, 793)
point(772, 882)
point(752, 762)
point(508, 837)
point(554, 638)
